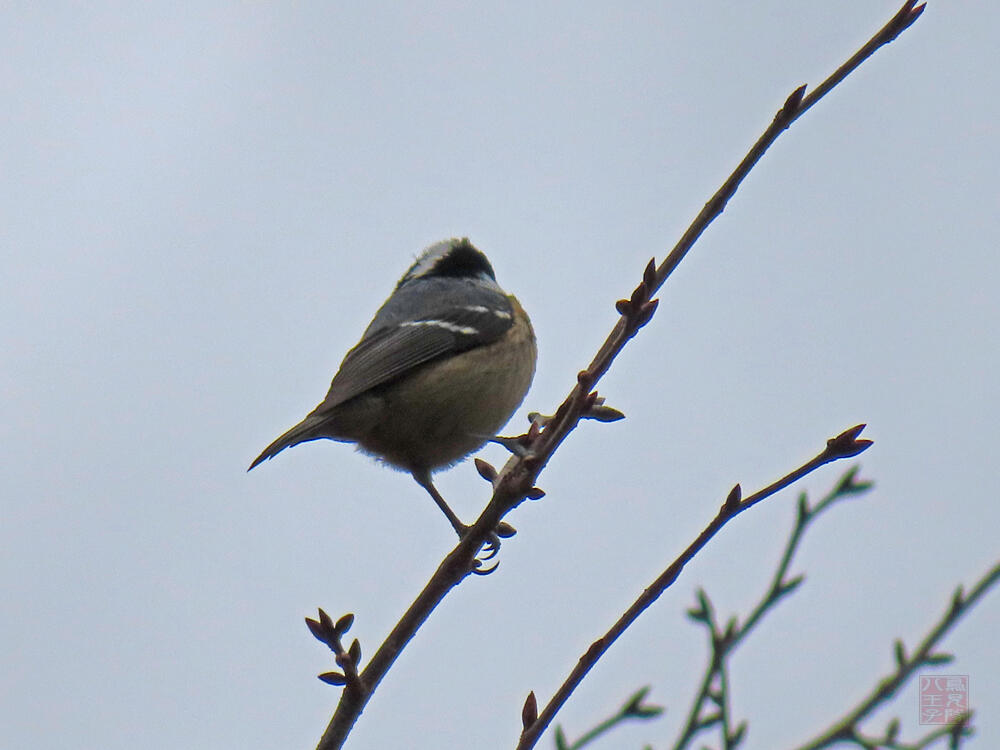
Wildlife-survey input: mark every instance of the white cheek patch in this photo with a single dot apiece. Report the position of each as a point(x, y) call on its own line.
point(486, 311)
point(464, 330)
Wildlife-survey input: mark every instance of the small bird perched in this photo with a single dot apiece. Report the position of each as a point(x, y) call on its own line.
point(440, 369)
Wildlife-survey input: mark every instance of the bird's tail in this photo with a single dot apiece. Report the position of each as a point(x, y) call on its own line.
point(305, 430)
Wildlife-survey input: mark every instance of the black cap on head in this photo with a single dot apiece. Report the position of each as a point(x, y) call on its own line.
point(454, 258)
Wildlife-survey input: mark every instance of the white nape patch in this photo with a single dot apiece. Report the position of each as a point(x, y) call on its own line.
point(429, 258)
point(466, 330)
point(482, 309)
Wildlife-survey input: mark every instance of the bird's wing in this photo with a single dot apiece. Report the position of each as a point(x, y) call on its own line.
point(392, 346)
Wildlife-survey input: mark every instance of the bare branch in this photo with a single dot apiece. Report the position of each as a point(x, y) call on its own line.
point(847, 728)
point(842, 446)
point(954, 732)
point(779, 587)
point(634, 708)
point(518, 477)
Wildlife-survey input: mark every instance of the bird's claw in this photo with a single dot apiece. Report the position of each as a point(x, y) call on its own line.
point(491, 547)
point(479, 570)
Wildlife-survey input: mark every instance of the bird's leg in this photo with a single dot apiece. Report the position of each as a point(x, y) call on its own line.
point(424, 480)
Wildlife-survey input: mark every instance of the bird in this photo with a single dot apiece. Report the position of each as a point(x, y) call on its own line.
point(443, 365)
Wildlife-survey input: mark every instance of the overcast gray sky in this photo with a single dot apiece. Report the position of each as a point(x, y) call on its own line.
point(203, 204)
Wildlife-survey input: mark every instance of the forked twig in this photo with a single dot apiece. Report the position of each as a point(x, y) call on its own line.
point(723, 640)
point(844, 445)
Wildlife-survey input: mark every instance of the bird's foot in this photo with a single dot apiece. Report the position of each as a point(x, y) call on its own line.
point(491, 547)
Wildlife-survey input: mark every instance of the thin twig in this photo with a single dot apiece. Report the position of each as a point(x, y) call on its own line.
point(634, 708)
point(954, 731)
point(457, 565)
point(846, 729)
point(730, 737)
point(778, 588)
